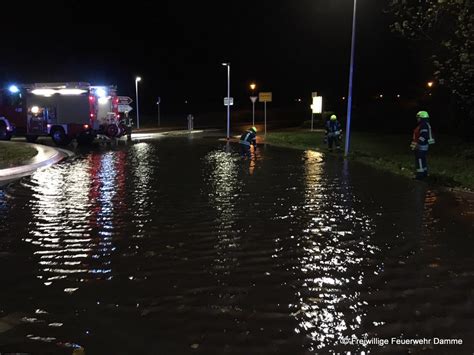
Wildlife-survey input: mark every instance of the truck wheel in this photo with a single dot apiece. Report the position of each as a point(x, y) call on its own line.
point(85, 139)
point(31, 139)
point(112, 130)
point(59, 137)
point(5, 135)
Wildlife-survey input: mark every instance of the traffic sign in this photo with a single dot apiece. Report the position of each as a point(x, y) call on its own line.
point(124, 100)
point(124, 108)
point(265, 96)
point(317, 105)
point(226, 101)
point(253, 99)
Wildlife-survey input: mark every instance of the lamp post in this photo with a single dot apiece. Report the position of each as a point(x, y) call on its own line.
point(351, 74)
point(228, 98)
point(137, 79)
point(252, 87)
point(158, 104)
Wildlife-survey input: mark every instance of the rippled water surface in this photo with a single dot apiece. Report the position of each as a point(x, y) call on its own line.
point(180, 246)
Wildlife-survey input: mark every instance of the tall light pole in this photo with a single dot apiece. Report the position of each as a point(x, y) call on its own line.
point(137, 79)
point(351, 74)
point(158, 104)
point(228, 98)
point(252, 87)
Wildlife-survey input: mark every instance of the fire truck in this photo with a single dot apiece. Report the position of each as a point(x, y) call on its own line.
point(64, 111)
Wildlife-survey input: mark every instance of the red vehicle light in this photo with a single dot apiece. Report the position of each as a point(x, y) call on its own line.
point(86, 126)
point(91, 98)
point(92, 115)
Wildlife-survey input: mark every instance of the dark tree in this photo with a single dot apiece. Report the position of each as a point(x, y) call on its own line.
point(446, 29)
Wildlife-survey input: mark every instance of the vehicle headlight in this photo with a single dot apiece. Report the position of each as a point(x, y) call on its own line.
point(35, 110)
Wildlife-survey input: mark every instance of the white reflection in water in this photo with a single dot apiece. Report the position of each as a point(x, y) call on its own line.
point(141, 155)
point(72, 224)
point(223, 171)
point(335, 242)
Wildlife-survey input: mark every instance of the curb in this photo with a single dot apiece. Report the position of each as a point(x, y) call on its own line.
point(45, 157)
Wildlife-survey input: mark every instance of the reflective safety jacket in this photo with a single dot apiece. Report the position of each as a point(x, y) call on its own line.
point(333, 128)
point(422, 136)
point(248, 138)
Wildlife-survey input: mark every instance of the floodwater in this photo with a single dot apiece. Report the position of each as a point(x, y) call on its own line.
point(177, 246)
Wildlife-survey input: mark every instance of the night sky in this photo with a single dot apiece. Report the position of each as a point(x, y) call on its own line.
point(290, 47)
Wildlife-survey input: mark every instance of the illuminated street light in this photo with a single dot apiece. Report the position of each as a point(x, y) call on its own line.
point(430, 84)
point(253, 98)
point(137, 79)
point(228, 98)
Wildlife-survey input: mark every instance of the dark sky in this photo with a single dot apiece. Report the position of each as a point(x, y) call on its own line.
point(290, 47)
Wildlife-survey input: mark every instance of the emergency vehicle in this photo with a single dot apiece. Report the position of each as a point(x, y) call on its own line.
point(64, 111)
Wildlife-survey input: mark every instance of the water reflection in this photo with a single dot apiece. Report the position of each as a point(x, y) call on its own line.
point(73, 210)
point(142, 160)
point(222, 170)
point(335, 241)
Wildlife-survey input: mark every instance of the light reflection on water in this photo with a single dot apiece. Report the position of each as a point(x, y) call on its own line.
point(335, 241)
point(143, 166)
point(224, 191)
point(72, 222)
point(272, 254)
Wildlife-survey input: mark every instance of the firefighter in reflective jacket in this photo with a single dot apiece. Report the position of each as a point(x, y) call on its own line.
point(422, 139)
point(246, 140)
point(333, 133)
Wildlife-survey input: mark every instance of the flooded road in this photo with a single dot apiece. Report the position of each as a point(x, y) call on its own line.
point(177, 245)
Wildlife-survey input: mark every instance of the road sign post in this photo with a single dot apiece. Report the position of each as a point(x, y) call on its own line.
point(124, 100)
point(226, 101)
point(316, 107)
point(265, 97)
point(124, 108)
point(253, 99)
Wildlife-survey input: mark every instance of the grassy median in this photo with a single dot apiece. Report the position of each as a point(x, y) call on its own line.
point(12, 154)
point(450, 160)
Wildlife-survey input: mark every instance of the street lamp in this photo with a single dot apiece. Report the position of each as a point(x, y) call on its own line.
point(228, 98)
point(430, 84)
point(253, 99)
point(137, 79)
point(351, 74)
point(158, 104)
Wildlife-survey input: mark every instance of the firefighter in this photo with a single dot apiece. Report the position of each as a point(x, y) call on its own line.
point(333, 133)
point(422, 139)
point(246, 140)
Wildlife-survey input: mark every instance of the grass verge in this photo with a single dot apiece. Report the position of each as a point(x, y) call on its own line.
point(450, 160)
point(12, 154)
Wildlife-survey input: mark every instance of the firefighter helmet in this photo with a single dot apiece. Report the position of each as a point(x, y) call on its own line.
point(253, 129)
point(423, 115)
point(333, 117)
